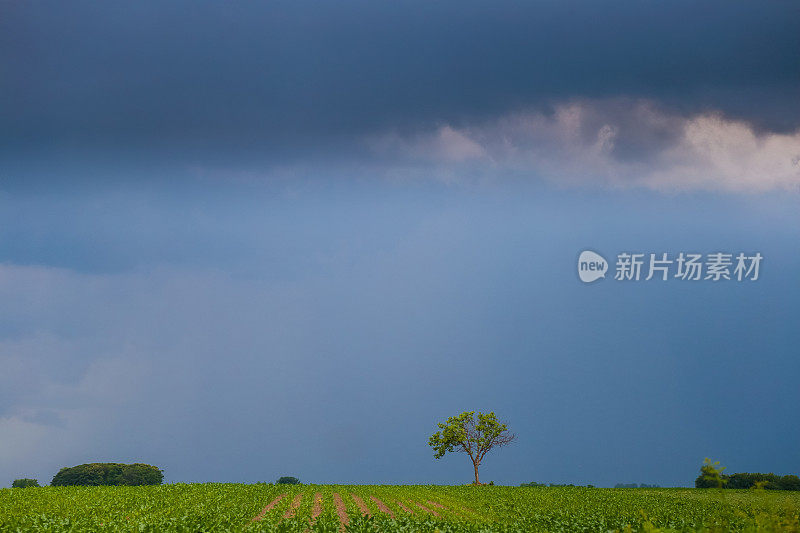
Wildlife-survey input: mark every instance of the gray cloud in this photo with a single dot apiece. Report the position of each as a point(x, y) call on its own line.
point(204, 81)
point(614, 144)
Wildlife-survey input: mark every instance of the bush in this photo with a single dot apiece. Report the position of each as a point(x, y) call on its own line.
point(790, 482)
point(768, 481)
point(23, 483)
point(288, 480)
point(747, 480)
point(711, 477)
point(95, 474)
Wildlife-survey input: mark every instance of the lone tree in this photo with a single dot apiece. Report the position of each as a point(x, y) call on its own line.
point(463, 433)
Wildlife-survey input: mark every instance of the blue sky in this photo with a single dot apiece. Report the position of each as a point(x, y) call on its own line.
point(241, 242)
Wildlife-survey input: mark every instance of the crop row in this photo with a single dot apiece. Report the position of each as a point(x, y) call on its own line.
point(334, 508)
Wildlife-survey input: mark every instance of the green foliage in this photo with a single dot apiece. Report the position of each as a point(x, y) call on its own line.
point(288, 480)
point(790, 482)
point(710, 475)
point(475, 437)
point(97, 474)
point(455, 434)
point(766, 481)
point(24, 483)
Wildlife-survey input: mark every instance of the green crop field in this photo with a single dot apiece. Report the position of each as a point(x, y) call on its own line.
point(266, 507)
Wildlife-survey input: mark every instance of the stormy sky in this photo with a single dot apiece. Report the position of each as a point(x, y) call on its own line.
point(245, 240)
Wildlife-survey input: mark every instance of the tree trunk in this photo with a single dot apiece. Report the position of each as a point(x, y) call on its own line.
point(477, 482)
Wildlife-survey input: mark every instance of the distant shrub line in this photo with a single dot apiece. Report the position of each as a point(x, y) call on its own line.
point(746, 480)
point(24, 483)
point(97, 474)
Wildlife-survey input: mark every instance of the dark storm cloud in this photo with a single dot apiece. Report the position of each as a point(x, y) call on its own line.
point(298, 77)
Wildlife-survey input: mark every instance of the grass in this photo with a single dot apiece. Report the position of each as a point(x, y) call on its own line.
point(232, 507)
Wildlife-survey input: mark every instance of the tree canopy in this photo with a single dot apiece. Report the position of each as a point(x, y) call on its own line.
point(96, 474)
point(472, 435)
